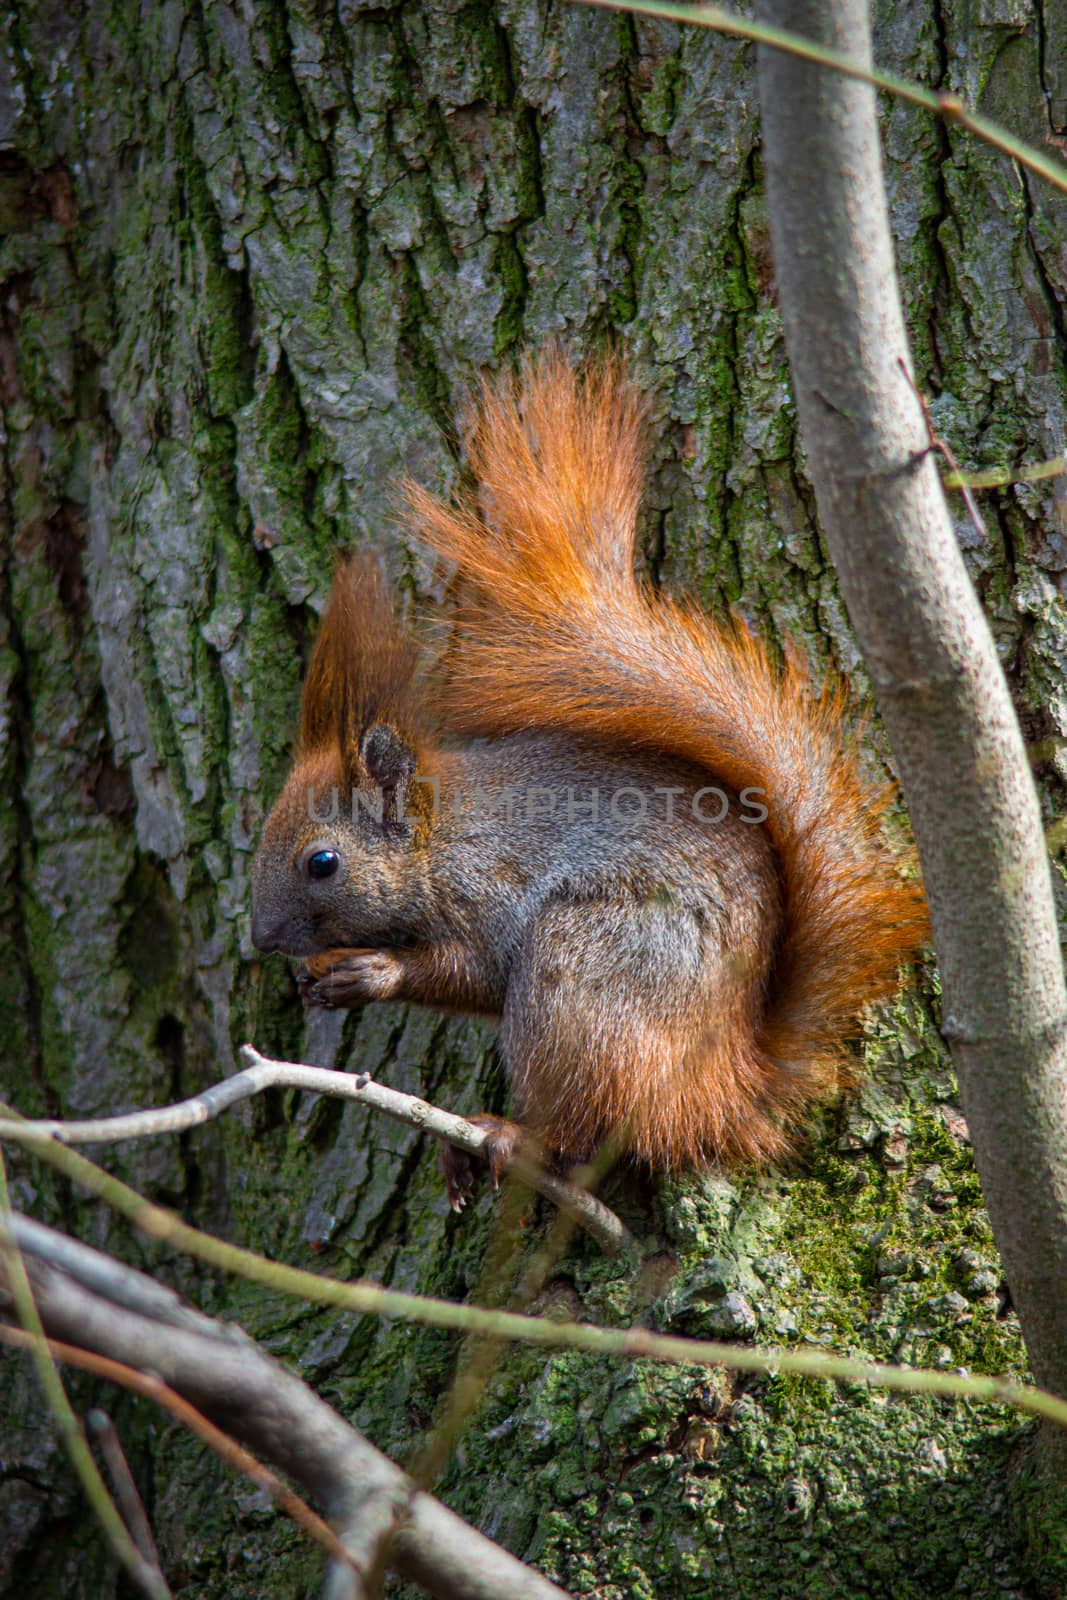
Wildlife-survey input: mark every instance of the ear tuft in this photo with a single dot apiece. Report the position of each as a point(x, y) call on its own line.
point(363, 666)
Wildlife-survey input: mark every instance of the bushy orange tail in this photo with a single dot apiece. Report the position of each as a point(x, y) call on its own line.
point(556, 633)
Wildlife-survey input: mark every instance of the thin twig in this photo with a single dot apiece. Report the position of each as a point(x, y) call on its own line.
point(628, 1343)
point(1005, 477)
point(234, 1454)
point(940, 102)
point(475, 1362)
point(261, 1073)
point(15, 1279)
point(123, 1484)
point(86, 1302)
point(941, 448)
point(481, 1352)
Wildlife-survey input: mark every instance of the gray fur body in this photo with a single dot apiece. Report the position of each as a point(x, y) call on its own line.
point(528, 834)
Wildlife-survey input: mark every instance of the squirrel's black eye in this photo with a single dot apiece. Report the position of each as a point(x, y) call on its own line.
point(323, 864)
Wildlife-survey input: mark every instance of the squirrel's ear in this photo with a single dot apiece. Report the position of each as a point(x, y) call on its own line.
point(390, 762)
point(388, 759)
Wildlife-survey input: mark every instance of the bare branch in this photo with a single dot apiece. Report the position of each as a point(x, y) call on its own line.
point(15, 1278)
point(546, 1333)
point(152, 1388)
point(941, 448)
point(262, 1073)
point(929, 652)
point(1005, 477)
point(221, 1372)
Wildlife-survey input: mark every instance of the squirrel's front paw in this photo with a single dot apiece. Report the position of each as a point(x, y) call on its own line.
point(346, 978)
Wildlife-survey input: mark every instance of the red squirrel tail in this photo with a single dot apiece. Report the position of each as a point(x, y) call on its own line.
point(555, 632)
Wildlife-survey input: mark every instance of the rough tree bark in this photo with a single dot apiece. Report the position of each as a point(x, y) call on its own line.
point(251, 256)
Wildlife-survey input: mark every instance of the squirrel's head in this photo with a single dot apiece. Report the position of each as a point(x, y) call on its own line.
point(337, 859)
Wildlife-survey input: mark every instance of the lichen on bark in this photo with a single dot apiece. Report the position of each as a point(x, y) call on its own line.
point(252, 261)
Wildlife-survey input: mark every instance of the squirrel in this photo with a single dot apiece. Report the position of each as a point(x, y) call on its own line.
point(615, 824)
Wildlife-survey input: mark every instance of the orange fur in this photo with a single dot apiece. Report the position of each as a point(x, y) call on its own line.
point(363, 665)
point(556, 633)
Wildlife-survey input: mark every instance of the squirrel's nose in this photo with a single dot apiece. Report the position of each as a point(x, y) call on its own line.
point(280, 929)
point(264, 937)
point(270, 931)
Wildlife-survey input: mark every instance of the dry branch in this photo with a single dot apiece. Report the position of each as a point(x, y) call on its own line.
point(802, 47)
point(262, 1073)
point(226, 1376)
point(123, 1485)
point(152, 1388)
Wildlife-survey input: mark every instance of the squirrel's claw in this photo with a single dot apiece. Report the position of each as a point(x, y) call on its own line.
point(310, 990)
point(503, 1138)
point(350, 978)
point(458, 1169)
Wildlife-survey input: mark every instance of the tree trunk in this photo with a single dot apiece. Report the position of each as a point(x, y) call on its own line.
point(251, 259)
point(930, 656)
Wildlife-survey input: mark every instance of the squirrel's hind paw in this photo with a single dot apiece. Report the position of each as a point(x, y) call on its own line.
point(503, 1138)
